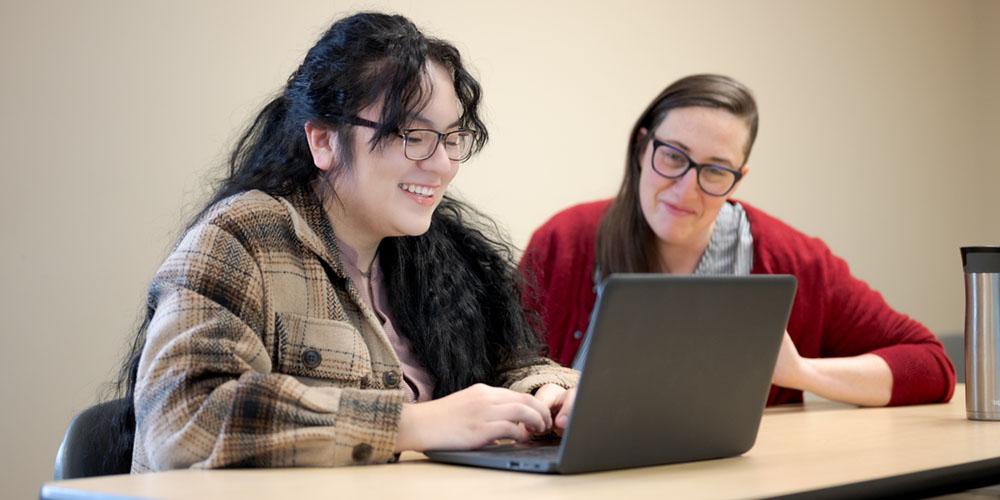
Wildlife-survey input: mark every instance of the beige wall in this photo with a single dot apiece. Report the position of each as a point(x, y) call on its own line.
point(987, 110)
point(877, 122)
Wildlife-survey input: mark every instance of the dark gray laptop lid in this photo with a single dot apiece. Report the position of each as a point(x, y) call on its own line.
point(678, 368)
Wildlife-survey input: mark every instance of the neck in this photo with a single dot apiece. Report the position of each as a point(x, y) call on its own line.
point(682, 258)
point(349, 230)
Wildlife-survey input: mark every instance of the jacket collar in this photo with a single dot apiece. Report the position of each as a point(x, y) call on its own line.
point(313, 228)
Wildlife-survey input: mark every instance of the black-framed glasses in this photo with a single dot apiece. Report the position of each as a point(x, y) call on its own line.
point(673, 163)
point(420, 143)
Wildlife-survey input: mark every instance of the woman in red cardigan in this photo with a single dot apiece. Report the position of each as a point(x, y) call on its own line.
point(674, 214)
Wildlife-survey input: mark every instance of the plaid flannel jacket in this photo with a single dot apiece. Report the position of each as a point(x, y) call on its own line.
point(261, 352)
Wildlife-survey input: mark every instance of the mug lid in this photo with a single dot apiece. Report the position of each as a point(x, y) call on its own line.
point(981, 259)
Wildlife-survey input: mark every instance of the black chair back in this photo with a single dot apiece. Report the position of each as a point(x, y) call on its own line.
point(92, 444)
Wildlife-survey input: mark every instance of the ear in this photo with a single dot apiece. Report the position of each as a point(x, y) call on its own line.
point(322, 145)
point(640, 135)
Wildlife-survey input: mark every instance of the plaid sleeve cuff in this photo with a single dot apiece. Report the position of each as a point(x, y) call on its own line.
point(367, 426)
point(537, 376)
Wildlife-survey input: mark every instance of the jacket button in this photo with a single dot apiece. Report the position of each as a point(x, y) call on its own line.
point(311, 358)
point(361, 452)
point(391, 379)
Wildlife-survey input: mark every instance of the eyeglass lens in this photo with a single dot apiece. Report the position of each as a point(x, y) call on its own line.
point(420, 144)
point(713, 179)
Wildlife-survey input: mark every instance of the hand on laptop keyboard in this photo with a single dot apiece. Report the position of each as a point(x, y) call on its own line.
point(472, 418)
point(560, 403)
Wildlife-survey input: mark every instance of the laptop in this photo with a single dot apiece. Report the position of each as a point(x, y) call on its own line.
point(673, 369)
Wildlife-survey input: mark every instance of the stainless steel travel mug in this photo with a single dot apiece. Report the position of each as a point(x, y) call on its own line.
point(982, 332)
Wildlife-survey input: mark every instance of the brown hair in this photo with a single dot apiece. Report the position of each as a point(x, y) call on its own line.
point(625, 242)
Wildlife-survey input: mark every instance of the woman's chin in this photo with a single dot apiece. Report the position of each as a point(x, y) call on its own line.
point(672, 234)
point(413, 227)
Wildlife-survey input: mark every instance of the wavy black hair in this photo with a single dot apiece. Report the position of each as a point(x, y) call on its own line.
point(455, 287)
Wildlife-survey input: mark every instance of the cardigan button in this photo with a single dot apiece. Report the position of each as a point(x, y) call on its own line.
point(578, 335)
point(311, 358)
point(391, 379)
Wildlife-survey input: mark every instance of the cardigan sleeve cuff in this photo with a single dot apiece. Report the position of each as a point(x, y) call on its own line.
point(919, 375)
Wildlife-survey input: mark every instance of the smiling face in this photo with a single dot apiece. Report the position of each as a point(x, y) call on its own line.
point(384, 193)
point(680, 214)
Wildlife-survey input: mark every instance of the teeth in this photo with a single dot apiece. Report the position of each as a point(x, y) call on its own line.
point(417, 190)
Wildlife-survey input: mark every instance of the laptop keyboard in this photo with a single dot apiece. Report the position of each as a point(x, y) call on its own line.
point(533, 456)
point(528, 450)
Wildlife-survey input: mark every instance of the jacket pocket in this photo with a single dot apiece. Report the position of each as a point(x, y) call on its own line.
point(321, 348)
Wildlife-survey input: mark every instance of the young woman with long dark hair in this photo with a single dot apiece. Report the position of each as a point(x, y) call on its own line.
point(332, 305)
point(674, 213)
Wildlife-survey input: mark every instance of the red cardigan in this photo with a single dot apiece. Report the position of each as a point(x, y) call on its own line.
point(834, 313)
